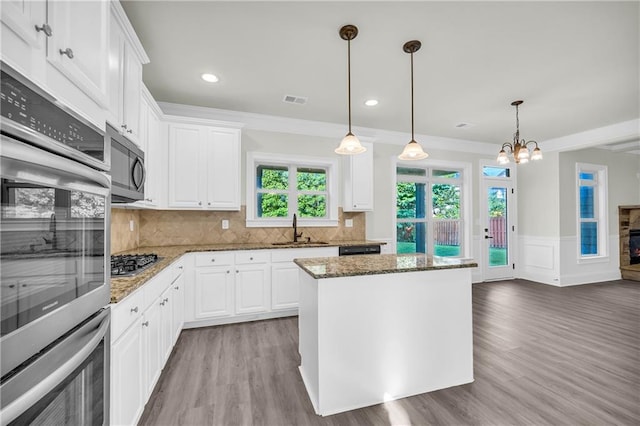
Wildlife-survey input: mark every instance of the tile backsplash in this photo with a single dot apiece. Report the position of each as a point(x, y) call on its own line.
point(178, 227)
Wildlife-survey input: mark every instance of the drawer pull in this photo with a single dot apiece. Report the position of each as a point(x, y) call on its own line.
point(213, 260)
point(177, 287)
point(251, 258)
point(134, 309)
point(180, 267)
point(166, 300)
point(145, 324)
point(162, 303)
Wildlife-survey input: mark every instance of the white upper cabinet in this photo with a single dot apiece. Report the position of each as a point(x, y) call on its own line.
point(126, 57)
point(204, 167)
point(79, 44)
point(61, 46)
point(357, 173)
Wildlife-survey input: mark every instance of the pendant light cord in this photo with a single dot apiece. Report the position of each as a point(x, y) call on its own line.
point(412, 135)
point(349, 79)
point(517, 138)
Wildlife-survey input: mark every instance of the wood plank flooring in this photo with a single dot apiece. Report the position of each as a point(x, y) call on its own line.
point(542, 355)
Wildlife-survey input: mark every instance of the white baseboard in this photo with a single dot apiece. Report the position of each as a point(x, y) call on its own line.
point(240, 318)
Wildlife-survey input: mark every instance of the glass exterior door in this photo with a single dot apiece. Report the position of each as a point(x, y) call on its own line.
point(497, 231)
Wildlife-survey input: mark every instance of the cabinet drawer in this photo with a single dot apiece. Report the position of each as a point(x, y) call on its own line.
point(287, 255)
point(214, 259)
point(249, 257)
point(177, 268)
point(155, 286)
point(124, 313)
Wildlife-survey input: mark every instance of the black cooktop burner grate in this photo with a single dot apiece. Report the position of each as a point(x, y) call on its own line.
point(131, 264)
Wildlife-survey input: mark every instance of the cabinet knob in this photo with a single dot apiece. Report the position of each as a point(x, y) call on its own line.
point(134, 309)
point(166, 300)
point(237, 271)
point(208, 204)
point(355, 205)
point(149, 200)
point(228, 271)
point(213, 260)
point(129, 131)
point(67, 52)
point(199, 203)
point(12, 286)
point(177, 287)
point(124, 126)
point(162, 303)
point(180, 267)
point(145, 324)
point(251, 258)
point(46, 29)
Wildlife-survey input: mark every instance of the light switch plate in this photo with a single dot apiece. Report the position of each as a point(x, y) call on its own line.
point(348, 223)
point(225, 224)
point(131, 225)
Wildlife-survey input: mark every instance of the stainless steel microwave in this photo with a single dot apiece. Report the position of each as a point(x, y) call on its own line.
point(127, 169)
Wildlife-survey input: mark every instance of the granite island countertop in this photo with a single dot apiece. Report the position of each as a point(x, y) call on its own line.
point(121, 287)
point(375, 264)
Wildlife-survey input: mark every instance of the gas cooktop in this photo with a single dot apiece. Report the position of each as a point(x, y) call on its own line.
point(126, 265)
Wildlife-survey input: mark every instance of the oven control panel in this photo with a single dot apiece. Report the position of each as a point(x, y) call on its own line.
point(26, 107)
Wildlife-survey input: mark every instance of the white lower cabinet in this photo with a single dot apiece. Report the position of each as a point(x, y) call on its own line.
point(127, 376)
point(151, 344)
point(143, 332)
point(284, 285)
point(213, 292)
point(252, 288)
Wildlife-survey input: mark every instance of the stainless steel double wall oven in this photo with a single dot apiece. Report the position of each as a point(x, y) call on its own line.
point(54, 249)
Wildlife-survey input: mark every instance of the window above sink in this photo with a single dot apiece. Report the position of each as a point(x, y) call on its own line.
point(280, 185)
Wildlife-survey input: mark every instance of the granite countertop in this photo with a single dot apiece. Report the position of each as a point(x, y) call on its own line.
point(121, 287)
point(374, 264)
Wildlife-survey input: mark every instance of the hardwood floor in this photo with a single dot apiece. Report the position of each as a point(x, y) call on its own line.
point(542, 355)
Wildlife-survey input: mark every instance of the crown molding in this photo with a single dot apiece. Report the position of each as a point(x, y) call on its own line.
point(272, 123)
point(619, 132)
point(129, 32)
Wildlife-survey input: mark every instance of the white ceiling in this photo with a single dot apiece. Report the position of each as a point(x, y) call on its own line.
point(575, 64)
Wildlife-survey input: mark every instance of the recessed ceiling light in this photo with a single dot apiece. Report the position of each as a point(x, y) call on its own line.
point(371, 102)
point(210, 78)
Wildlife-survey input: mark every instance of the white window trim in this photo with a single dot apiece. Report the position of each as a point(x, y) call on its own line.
point(255, 158)
point(465, 201)
point(601, 209)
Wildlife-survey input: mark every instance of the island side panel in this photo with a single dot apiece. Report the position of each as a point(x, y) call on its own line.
point(308, 335)
point(388, 336)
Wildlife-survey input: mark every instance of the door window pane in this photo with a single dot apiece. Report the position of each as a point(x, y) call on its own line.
point(410, 171)
point(497, 231)
point(453, 174)
point(411, 237)
point(446, 237)
point(492, 171)
point(445, 201)
point(410, 200)
point(588, 238)
point(312, 205)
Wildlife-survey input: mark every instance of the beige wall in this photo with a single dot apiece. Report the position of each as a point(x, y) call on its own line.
point(122, 238)
point(539, 197)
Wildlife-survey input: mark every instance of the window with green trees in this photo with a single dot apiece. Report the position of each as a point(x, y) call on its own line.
point(428, 211)
point(284, 190)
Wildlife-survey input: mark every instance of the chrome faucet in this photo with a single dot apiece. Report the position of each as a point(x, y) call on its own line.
point(295, 229)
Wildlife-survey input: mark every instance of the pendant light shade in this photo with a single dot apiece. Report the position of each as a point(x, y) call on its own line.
point(413, 150)
point(350, 144)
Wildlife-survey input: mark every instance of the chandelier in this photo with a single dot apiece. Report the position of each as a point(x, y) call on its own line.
point(519, 149)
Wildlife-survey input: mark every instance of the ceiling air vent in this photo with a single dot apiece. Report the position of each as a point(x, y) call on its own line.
point(290, 99)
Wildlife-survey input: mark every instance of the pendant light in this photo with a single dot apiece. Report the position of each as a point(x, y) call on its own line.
point(413, 150)
point(350, 144)
point(519, 149)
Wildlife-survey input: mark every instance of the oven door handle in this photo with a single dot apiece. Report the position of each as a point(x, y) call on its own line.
point(36, 393)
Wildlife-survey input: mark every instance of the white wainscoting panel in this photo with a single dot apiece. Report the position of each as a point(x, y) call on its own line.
point(574, 273)
point(539, 259)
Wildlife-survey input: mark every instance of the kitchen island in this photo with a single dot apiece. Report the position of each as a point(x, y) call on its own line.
point(375, 328)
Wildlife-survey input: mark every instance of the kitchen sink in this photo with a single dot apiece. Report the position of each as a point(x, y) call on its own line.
point(299, 243)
